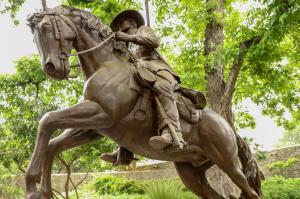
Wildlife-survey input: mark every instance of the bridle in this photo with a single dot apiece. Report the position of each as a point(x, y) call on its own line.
point(58, 32)
point(64, 55)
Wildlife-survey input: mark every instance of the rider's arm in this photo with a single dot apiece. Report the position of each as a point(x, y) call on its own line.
point(146, 37)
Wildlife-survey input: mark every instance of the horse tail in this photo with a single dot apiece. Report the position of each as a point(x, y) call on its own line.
point(250, 167)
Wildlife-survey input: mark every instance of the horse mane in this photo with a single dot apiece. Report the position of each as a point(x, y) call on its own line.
point(88, 21)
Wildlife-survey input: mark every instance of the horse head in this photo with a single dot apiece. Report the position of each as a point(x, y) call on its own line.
point(54, 35)
point(60, 29)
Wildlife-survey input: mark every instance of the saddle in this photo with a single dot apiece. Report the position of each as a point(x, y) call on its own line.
point(189, 102)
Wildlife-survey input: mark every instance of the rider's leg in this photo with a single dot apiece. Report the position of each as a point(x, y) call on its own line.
point(121, 156)
point(164, 88)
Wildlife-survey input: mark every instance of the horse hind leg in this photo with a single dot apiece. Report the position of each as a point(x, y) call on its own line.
point(195, 180)
point(233, 170)
point(70, 138)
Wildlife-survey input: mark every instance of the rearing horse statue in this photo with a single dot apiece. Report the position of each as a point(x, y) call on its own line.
point(108, 110)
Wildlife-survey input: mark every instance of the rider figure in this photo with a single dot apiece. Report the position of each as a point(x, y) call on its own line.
point(142, 42)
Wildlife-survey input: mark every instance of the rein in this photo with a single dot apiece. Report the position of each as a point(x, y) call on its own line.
point(95, 47)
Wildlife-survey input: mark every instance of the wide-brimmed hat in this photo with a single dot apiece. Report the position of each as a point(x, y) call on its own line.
point(127, 14)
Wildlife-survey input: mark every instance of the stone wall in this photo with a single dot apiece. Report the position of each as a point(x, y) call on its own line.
point(282, 154)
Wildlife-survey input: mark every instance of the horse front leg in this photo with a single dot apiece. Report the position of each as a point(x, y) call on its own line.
point(70, 138)
point(85, 115)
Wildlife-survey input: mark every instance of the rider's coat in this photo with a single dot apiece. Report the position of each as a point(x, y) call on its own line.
point(144, 49)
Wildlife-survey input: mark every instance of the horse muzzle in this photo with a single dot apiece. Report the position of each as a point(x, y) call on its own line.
point(55, 71)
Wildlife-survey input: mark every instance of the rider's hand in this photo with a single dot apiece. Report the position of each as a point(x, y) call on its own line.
point(124, 37)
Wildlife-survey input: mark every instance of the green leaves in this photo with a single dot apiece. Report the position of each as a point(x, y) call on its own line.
point(269, 75)
point(280, 167)
point(163, 189)
point(106, 10)
point(12, 7)
point(281, 188)
point(291, 137)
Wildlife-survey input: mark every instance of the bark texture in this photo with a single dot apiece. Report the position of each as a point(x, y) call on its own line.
point(219, 91)
point(214, 67)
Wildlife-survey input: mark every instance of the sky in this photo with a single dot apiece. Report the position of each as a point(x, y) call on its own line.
point(18, 41)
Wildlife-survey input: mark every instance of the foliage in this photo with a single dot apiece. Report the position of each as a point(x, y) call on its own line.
point(89, 190)
point(115, 186)
point(105, 9)
point(263, 36)
point(124, 196)
point(7, 188)
point(163, 189)
point(259, 154)
point(24, 98)
point(27, 95)
point(290, 137)
point(281, 188)
point(273, 188)
point(269, 30)
point(9, 191)
point(12, 7)
point(280, 167)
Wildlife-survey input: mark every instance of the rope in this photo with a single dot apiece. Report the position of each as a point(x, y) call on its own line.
point(95, 47)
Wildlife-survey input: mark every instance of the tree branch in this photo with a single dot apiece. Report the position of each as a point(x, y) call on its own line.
point(237, 64)
point(244, 47)
point(57, 192)
point(82, 180)
point(79, 183)
point(75, 188)
point(68, 175)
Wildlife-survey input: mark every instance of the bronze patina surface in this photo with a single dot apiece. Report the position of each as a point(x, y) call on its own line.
point(109, 108)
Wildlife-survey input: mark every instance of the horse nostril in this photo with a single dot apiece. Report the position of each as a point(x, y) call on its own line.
point(50, 67)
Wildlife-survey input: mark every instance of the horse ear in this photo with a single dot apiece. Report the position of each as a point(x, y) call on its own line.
point(31, 26)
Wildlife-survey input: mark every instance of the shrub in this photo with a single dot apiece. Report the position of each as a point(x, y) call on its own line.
point(163, 189)
point(8, 190)
point(281, 188)
point(116, 186)
point(280, 167)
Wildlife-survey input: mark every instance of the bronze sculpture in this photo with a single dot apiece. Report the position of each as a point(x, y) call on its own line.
point(142, 41)
point(112, 98)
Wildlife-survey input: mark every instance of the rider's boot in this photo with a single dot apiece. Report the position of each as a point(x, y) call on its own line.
point(121, 156)
point(110, 157)
point(165, 139)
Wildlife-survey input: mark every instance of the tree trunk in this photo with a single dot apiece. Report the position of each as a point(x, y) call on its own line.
point(214, 67)
point(215, 84)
